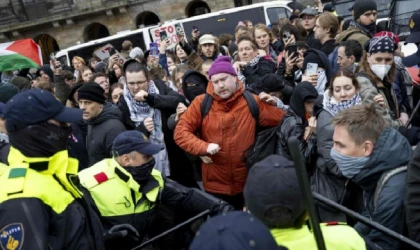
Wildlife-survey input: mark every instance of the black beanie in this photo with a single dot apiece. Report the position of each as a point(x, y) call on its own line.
point(312, 57)
point(92, 92)
point(361, 6)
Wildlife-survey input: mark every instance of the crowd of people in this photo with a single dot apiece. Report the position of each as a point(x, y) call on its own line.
point(103, 155)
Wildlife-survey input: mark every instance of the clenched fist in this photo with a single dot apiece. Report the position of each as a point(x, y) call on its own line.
point(149, 124)
point(213, 149)
point(141, 96)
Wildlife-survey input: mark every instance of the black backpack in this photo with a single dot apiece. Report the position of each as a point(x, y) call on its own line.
point(265, 138)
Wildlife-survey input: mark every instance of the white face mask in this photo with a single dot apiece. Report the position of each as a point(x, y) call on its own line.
point(381, 70)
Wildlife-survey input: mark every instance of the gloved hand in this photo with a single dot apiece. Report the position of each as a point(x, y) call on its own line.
point(123, 236)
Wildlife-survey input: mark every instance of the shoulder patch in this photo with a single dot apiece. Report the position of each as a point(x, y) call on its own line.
point(334, 223)
point(101, 177)
point(17, 172)
point(12, 236)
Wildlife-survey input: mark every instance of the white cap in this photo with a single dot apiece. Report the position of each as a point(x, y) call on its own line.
point(207, 39)
point(136, 52)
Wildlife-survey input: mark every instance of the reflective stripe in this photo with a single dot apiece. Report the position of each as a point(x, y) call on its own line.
point(28, 183)
point(114, 197)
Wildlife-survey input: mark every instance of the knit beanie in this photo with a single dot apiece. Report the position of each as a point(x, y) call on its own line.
point(361, 6)
point(92, 92)
point(222, 65)
point(7, 91)
point(312, 57)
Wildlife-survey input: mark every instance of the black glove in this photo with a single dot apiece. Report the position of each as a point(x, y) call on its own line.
point(122, 236)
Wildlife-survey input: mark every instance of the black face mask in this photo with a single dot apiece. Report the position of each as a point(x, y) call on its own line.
point(194, 91)
point(371, 28)
point(142, 173)
point(40, 140)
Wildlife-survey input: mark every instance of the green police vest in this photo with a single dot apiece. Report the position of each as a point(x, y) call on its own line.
point(116, 193)
point(31, 177)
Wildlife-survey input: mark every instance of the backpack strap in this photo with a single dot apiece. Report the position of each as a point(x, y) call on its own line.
point(253, 106)
point(205, 105)
point(350, 34)
point(383, 180)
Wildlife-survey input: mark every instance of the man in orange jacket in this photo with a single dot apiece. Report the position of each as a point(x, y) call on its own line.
point(227, 131)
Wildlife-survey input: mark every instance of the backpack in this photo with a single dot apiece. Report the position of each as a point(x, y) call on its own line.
point(265, 138)
point(383, 180)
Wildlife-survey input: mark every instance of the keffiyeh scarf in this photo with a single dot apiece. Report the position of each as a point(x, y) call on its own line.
point(252, 63)
point(140, 111)
point(333, 107)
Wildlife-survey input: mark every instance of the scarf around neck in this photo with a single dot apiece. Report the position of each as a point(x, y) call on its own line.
point(252, 63)
point(333, 107)
point(139, 110)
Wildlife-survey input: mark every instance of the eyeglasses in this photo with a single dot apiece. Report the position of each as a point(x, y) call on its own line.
point(137, 83)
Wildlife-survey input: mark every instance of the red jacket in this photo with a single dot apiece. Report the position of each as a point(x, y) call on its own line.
point(229, 124)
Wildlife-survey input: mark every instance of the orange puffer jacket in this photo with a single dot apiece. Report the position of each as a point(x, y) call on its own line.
point(229, 124)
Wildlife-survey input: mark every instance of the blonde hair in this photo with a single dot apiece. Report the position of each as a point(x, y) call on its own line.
point(263, 27)
point(78, 58)
point(328, 20)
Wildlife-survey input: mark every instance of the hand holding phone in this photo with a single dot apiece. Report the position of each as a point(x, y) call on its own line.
point(163, 35)
point(112, 51)
point(311, 69)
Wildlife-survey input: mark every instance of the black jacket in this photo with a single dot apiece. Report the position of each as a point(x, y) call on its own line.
point(384, 196)
point(4, 151)
point(312, 42)
point(166, 101)
point(253, 74)
point(294, 123)
point(102, 131)
point(328, 47)
point(77, 145)
point(412, 196)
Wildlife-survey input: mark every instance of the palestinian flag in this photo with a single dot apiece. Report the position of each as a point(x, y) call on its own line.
point(19, 55)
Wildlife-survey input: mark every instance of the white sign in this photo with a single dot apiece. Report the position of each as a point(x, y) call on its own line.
point(103, 53)
point(171, 31)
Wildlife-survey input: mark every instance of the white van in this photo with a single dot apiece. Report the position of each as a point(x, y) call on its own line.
point(216, 23)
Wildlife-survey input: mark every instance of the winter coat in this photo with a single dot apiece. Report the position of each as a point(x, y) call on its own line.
point(294, 123)
point(102, 131)
point(368, 90)
point(77, 145)
point(4, 152)
point(327, 179)
point(412, 196)
point(253, 74)
point(166, 101)
point(229, 124)
point(384, 201)
point(328, 47)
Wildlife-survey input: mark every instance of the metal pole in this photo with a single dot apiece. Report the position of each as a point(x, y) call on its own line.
point(412, 114)
point(206, 212)
point(306, 191)
point(366, 221)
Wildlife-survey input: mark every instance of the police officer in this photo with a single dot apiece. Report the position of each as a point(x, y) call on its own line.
point(128, 190)
point(40, 206)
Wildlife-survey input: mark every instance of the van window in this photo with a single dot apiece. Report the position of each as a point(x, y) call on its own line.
point(274, 14)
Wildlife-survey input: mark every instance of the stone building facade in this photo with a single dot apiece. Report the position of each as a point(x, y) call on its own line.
point(58, 24)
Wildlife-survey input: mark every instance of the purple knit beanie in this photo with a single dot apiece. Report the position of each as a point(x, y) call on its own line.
point(222, 65)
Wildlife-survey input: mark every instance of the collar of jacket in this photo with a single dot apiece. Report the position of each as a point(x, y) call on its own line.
point(60, 166)
point(114, 169)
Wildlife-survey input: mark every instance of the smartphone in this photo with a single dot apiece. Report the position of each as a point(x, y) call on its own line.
point(195, 29)
point(292, 49)
point(154, 50)
point(311, 68)
point(52, 57)
point(163, 35)
point(112, 51)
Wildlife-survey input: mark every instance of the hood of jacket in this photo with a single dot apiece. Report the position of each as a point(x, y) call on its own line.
point(47, 70)
point(392, 150)
point(197, 78)
point(227, 103)
point(304, 91)
point(354, 27)
point(326, 63)
point(109, 112)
